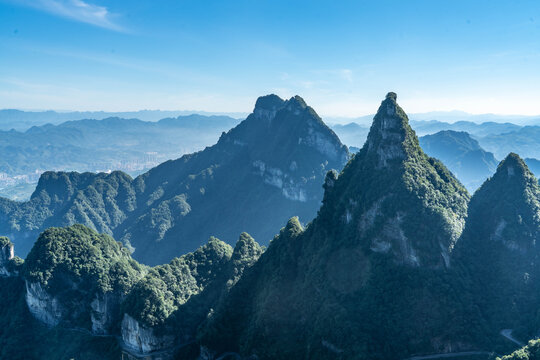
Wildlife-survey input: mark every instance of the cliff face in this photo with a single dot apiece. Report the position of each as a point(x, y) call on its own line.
point(6, 255)
point(142, 339)
point(104, 312)
point(44, 306)
point(78, 279)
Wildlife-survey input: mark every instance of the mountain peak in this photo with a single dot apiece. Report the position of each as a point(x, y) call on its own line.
point(390, 185)
point(267, 106)
point(392, 96)
point(506, 206)
point(513, 165)
point(246, 249)
point(269, 102)
point(296, 102)
point(293, 227)
point(390, 136)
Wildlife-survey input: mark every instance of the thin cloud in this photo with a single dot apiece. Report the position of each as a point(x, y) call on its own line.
point(77, 10)
point(346, 74)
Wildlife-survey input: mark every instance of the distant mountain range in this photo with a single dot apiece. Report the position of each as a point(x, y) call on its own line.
point(525, 141)
point(448, 117)
point(130, 145)
point(22, 120)
point(354, 134)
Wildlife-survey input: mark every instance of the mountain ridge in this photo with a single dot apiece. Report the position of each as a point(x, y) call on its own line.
point(171, 204)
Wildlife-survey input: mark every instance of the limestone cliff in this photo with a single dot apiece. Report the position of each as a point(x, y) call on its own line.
point(6, 255)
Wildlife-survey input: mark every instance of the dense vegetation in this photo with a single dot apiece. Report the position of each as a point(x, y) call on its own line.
point(529, 352)
point(78, 257)
point(499, 247)
point(175, 207)
point(167, 287)
point(77, 266)
point(176, 298)
point(4, 241)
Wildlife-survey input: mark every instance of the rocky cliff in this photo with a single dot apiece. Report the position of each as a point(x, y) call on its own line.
point(79, 280)
point(6, 255)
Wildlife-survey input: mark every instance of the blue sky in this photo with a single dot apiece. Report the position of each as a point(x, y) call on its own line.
point(341, 56)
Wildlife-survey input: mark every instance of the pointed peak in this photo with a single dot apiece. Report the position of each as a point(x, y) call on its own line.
point(512, 164)
point(215, 245)
point(244, 240)
point(513, 167)
point(391, 96)
point(293, 227)
point(246, 248)
point(213, 242)
point(390, 108)
point(511, 181)
point(390, 136)
point(297, 101)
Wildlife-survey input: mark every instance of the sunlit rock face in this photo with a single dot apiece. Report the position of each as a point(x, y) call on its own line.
point(142, 339)
point(43, 306)
point(104, 307)
point(7, 253)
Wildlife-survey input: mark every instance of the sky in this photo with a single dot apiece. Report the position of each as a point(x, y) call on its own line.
point(342, 57)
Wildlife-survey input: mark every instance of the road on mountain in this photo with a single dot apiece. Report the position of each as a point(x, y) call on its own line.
point(449, 355)
point(507, 333)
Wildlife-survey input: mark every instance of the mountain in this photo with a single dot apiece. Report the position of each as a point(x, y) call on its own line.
point(534, 165)
point(471, 164)
point(500, 250)
point(130, 145)
point(425, 127)
point(23, 120)
point(352, 134)
point(23, 336)
point(457, 116)
point(268, 168)
point(84, 296)
point(397, 263)
point(369, 277)
point(525, 141)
